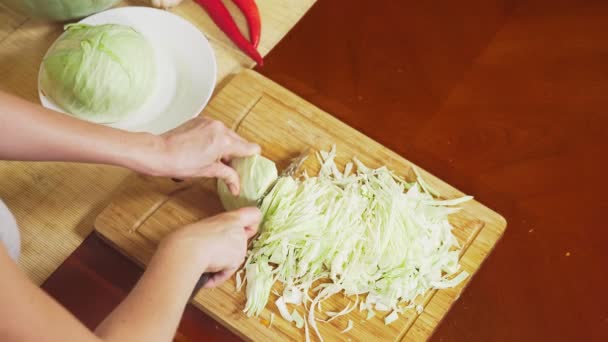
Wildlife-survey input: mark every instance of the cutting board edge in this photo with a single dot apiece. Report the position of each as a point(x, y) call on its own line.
point(501, 228)
point(499, 231)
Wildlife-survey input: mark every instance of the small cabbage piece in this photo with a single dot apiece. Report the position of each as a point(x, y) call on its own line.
point(257, 174)
point(349, 326)
point(59, 10)
point(99, 73)
point(391, 318)
point(297, 319)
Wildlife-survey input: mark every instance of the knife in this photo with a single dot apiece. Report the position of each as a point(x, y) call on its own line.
point(290, 170)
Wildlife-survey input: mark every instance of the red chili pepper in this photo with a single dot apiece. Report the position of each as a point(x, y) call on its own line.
point(252, 14)
point(223, 19)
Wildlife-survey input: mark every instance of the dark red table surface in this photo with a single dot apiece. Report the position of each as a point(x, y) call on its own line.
point(506, 100)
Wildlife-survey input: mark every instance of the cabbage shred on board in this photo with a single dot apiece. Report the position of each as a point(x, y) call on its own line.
point(362, 232)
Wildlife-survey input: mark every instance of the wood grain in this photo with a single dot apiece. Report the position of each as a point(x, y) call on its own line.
point(284, 124)
point(55, 203)
point(9, 21)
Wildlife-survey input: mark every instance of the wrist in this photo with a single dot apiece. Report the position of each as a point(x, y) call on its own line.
point(146, 154)
point(184, 247)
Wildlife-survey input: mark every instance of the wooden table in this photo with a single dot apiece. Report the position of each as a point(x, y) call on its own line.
point(506, 100)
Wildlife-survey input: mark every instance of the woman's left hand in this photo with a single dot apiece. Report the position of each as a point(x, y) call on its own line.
point(201, 147)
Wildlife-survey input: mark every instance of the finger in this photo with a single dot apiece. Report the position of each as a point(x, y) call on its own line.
point(236, 219)
point(225, 173)
point(250, 231)
point(219, 277)
point(235, 136)
point(240, 148)
point(247, 217)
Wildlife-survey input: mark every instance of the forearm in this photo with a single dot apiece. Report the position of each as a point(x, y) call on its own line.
point(31, 132)
point(153, 309)
point(150, 313)
point(28, 314)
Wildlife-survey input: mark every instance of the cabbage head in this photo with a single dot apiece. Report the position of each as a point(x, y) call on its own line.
point(257, 174)
point(99, 73)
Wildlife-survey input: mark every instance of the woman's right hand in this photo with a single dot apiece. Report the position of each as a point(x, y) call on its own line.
point(218, 243)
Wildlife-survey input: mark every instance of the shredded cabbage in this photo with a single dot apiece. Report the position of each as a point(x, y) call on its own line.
point(363, 231)
point(297, 319)
point(391, 318)
point(348, 327)
point(280, 303)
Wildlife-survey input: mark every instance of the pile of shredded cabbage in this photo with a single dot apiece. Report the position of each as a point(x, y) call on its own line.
point(363, 232)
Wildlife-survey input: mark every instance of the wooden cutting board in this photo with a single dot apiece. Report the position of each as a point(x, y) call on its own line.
point(283, 124)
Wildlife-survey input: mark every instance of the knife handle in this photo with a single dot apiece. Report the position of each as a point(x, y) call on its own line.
point(200, 283)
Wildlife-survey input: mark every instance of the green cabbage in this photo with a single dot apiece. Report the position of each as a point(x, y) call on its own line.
point(99, 73)
point(59, 10)
point(256, 174)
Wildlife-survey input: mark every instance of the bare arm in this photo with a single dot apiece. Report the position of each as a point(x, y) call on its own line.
point(31, 132)
point(153, 310)
point(154, 307)
point(29, 314)
point(198, 148)
point(195, 149)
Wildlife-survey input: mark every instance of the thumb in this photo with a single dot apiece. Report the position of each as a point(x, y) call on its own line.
point(225, 173)
point(240, 148)
point(219, 277)
point(248, 218)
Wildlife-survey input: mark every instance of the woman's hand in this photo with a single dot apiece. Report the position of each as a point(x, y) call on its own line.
point(218, 243)
point(199, 148)
point(152, 310)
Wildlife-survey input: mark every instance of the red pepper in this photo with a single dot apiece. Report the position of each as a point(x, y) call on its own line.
point(223, 19)
point(252, 14)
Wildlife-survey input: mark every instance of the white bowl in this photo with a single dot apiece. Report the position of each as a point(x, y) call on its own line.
point(186, 68)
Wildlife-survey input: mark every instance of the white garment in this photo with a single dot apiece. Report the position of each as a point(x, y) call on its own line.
point(9, 232)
